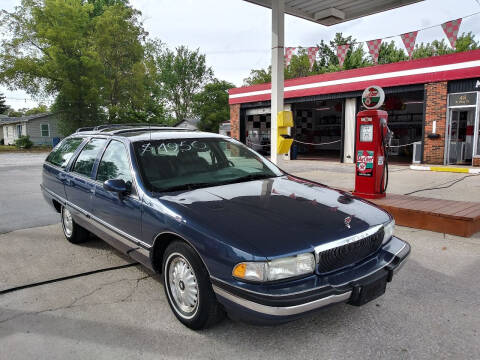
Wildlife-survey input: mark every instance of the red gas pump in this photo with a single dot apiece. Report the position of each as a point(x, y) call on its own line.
point(372, 140)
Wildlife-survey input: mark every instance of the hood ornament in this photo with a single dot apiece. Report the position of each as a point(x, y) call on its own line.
point(347, 221)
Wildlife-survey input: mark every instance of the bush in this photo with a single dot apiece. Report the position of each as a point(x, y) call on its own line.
point(23, 142)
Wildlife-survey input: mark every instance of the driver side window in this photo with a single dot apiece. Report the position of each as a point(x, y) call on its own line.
point(115, 164)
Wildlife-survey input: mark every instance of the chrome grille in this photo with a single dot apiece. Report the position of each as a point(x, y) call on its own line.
point(350, 252)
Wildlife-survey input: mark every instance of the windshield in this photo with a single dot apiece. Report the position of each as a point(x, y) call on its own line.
point(176, 164)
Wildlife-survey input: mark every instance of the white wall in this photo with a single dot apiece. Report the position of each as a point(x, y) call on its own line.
point(349, 138)
point(9, 134)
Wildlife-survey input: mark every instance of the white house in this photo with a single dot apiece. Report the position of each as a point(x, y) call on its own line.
point(41, 128)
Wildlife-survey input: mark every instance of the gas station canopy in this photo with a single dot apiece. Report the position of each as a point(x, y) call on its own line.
point(325, 12)
point(331, 12)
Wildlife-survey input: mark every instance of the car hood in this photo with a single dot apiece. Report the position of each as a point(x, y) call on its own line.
point(277, 216)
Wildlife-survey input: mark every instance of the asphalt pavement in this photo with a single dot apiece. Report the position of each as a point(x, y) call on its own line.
point(21, 202)
point(430, 310)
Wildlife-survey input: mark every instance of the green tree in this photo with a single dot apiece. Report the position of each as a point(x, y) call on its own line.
point(389, 53)
point(300, 65)
point(211, 105)
point(117, 42)
point(465, 42)
point(14, 113)
point(258, 76)
point(49, 51)
point(3, 106)
point(326, 61)
point(180, 75)
point(99, 6)
point(40, 109)
point(88, 54)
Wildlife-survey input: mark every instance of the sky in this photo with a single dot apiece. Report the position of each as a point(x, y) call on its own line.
point(236, 35)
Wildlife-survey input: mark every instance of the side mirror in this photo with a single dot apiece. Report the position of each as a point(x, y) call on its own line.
point(116, 185)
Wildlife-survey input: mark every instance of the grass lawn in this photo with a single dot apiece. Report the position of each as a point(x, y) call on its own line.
point(12, 148)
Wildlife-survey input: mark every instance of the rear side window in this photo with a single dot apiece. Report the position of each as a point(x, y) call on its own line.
point(88, 155)
point(61, 155)
point(115, 164)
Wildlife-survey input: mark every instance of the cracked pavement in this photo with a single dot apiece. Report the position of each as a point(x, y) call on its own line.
point(430, 310)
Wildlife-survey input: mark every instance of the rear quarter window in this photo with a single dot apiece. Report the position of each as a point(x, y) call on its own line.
point(61, 155)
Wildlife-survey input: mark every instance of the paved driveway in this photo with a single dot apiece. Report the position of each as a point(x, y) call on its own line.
point(430, 310)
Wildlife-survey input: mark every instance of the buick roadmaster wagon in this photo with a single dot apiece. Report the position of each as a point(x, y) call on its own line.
point(228, 231)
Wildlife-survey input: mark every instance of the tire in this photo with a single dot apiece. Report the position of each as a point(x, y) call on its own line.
point(73, 232)
point(188, 289)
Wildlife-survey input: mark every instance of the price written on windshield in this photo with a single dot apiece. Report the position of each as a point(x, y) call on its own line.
point(175, 147)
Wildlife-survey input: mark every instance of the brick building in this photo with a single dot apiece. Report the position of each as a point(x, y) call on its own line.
point(433, 107)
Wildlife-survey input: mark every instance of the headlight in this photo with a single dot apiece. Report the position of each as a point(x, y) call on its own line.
point(277, 269)
point(388, 229)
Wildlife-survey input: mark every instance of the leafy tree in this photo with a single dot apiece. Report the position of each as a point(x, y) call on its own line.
point(88, 54)
point(326, 61)
point(40, 109)
point(180, 75)
point(211, 105)
point(14, 113)
point(466, 42)
point(118, 46)
point(299, 65)
point(49, 51)
point(99, 6)
point(258, 76)
point(389, 53)
point(3, 106)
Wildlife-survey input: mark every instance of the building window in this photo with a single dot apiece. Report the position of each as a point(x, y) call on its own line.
point(45, 130)
point(19, 130)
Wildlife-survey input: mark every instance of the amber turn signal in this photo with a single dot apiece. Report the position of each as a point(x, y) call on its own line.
point(239, 270)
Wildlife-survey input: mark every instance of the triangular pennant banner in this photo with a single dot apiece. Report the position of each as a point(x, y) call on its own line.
point(450, 28)
point(288, 55)
point(342, 53)
point(374, 48)
point(409, 41)
point(312, 55)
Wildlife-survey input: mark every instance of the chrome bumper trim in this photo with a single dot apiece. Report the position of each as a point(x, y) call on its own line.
point(284, 310)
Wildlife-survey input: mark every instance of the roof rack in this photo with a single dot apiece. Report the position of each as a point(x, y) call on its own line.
point(108, 126)
point(155, 128)
point(117, 128)
point(89, 128)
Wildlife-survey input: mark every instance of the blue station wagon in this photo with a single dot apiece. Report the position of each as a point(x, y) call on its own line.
point(228, 230)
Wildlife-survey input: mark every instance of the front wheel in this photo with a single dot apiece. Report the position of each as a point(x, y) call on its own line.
point(73, 232)
point(188, 288)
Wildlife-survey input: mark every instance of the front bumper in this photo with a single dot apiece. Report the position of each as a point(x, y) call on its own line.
point(288, 301)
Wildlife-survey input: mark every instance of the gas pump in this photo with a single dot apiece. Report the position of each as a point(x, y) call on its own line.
point(372, 141)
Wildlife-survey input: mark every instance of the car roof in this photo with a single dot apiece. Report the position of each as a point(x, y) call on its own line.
point(134, 134)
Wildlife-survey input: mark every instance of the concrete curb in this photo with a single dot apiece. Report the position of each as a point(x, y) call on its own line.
point(445, 169)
